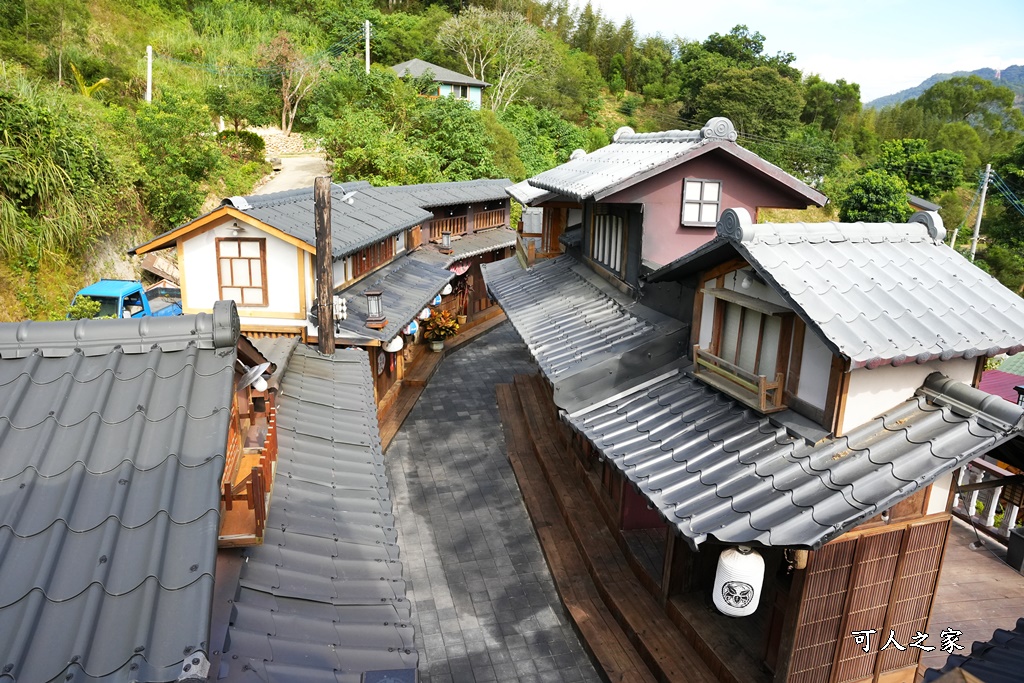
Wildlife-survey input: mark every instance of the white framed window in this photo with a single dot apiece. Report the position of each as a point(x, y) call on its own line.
point(608, 244)
point(701, 201)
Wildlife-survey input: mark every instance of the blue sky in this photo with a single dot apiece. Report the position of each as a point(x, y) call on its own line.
point(884, 45)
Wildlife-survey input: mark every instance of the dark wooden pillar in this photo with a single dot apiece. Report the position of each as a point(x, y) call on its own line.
point(324, 271)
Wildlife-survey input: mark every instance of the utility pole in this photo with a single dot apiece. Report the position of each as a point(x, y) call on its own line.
point(366, 50)
point(322, 265)
point(981, 209)
point(149, 73)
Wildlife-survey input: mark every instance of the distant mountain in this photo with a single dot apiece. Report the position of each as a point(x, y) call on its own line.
point(1012, 77)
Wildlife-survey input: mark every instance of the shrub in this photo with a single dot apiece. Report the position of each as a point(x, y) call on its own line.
point(440, 326)
point(252, 144)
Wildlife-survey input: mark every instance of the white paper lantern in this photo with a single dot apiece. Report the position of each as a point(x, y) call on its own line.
point(424, 314)
point(447, 289)
point(395, 345)
point(411, 327)
point(738, 581)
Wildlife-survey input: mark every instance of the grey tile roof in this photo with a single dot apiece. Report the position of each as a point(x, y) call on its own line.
point(468, 246)
point(408, 284)
point(999, 660)
point(879, 293)
point(112, 438)
point(418, 67)
point(323, 599)
point(528, 195)
point(572, 238)
point(570, 320)
point(446, 194)
point(376, 213)
point(633, 157)
point(717, 469)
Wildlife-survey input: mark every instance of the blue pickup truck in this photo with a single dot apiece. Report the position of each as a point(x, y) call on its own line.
point(128, 299)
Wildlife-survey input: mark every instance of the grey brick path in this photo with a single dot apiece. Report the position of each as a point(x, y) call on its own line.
point(484, 604)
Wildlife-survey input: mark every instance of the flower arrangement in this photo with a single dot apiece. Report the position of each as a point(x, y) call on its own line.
point(440, 326)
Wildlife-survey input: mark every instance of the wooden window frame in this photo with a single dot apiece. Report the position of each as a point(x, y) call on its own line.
point(727, 375)
point(263, 269)
point(700, 203)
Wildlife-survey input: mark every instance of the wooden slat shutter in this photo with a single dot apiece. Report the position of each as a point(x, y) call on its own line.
point(913, 591)
point(867, 604)
point(821, 614)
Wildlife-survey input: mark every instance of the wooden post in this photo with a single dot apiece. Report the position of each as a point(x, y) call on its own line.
point(324, 272)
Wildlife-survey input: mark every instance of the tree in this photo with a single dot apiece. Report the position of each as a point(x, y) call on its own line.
point(501, 48)
point(55, 22)
point(826, 104)
point(294, 75)
point(926, 174)
point(760, 101)
point(178, 151)
point(240, 102)
point(455, 135)
point(875, 197)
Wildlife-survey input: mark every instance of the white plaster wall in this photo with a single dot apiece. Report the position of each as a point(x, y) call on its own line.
point(872, 392)
point(756, 290)
point(198, 262)
point(707, 316)
point(938, 497)
point(815, 367)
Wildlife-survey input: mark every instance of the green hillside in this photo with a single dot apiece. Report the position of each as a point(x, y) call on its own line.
point(88, 168)
point(1012, 77)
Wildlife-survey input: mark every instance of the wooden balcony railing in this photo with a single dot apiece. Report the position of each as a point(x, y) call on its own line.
point(489, 219)
point(753, 390)
point(248, 476)
point(990, 497)
point(456, 225)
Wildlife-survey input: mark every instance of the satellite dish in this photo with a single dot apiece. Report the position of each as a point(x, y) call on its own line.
point(253, 376)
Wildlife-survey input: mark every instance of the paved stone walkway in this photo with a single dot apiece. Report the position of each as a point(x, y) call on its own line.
point(484, 604)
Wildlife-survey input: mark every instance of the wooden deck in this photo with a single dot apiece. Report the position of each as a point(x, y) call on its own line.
point(618, 618)
point(412, 385)
point(977, 593)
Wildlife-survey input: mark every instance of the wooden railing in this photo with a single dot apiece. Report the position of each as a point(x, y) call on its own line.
point(999, 492)
point(489, 219)
point(753, 390)
point(254, 489)
point(456, 225)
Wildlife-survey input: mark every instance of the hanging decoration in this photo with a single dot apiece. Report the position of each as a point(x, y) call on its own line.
point(395, 345)
point(447, 289)
point(424, 314)
point(437, 300)
point(411, 328)
point(738, 581)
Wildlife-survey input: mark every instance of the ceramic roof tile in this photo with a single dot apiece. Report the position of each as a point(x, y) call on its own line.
point(408, 285)
point(418, 67)
point(323, 599)
point(877, 293)
point(716, 468)
point(428, 195)
point(999, 660)
point(566, 321)
point(112, 437)
point(375, 213)
point(632, 157)
point(468, 246)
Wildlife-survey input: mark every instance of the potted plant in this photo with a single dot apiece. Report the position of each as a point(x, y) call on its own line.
point(438, 327)
point(462, 293)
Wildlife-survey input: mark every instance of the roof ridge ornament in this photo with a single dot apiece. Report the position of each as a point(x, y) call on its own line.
point(719, 128)
point(580, 153)
point(621, 132)
point(933, 221)
point(736, 224)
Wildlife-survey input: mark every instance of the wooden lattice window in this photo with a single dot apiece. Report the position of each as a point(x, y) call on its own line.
point(880, 581)
point(242, 270)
